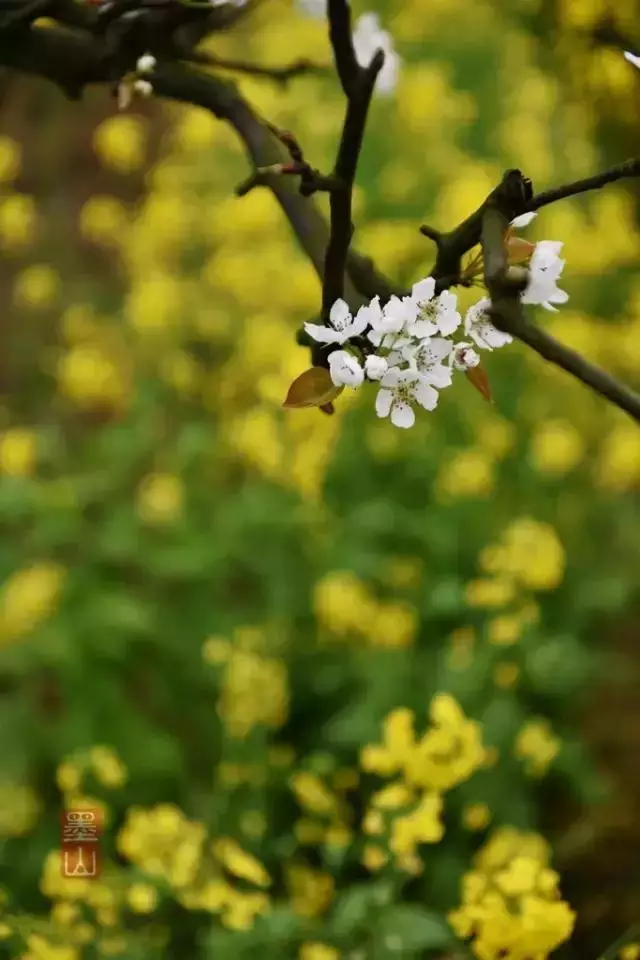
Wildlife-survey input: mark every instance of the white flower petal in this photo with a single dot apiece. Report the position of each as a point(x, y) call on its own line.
point(402, 415)
point(632, 59)
point(339, 315)
point(423, 290)
point(523, 220)
point(323, 334)
point(384, 399)
point(426, 396)
point(345, 369)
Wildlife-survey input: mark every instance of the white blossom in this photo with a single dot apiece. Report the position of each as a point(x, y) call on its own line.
point(478, 326)
point(400, 389)
point(342, 325)
point(463, 356)
point(632, 59)
point(375, 367)
point(426, 359)
point(388, 322)
point(146, 63)
point(544, 270)
point(368, 37)
point(345, 369)
point(437, 315)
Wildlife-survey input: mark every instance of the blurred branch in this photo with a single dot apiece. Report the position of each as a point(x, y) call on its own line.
point(279, 74)
point(505, 284)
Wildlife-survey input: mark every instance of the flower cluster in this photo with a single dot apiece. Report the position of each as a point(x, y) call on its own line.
point(410, 807)
point(407, 344)
point(511, 903)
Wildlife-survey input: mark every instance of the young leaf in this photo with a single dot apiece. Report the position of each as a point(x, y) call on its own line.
point(519, 250)
point(477, 377)
point(313, 388)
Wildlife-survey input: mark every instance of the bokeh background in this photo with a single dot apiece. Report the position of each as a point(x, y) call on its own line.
point(210, 605)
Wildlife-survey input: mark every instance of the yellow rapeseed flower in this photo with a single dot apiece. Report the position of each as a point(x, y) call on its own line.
point(240, 863)
point(108, 767)
point(10, 159)
point(537, 745)
point(142, 897)
point(28, 597)
point(311, 891)
point(18, 220)
point(38, 285)
point(120, 143)
point(19, 809)
point(494, 592)
point(476, 816)
point(556, 447)
point(318, 951)
point(160, 498)
point(469, 473)
point(18, 452)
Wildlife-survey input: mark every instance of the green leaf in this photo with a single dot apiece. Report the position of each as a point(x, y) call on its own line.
point(356, 904)
point(415, 928)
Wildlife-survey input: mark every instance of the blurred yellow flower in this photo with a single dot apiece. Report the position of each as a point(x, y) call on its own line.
point(318, 951)
point(311, 891)
point(19, 809)
point(394, 626)
point(530, 552)
point(216, 650)
point(537, 745)
point(91, 378)
point(28, 597)
point(631, 951)
point(142, 897)
point(18, 452)
point(104, 219)
point(37, 286)
point(108, 767)
point(342, 603)
point(17, 221)
point(556, 447)
point(120, 143)
point(312, 793)
point(240, 863)
point(476, 816)
point(618, 466)
point(255, 692)
point(41, 949)
point(495, 592)
point(511, 905)
point(374, 858)
point(163, 843)
point(10, 159)
point(469, 473)
point(160, 498)
point(506, 675)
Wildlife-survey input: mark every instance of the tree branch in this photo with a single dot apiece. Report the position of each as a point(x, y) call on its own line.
point(358, 84)
point(505, 285)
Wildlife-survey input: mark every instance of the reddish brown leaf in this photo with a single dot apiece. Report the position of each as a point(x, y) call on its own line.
point(313, 388)
point(477, 377)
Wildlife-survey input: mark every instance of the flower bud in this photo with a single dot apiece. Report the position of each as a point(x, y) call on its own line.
point(146, 63)
point(375, 367)
point(465, 357)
